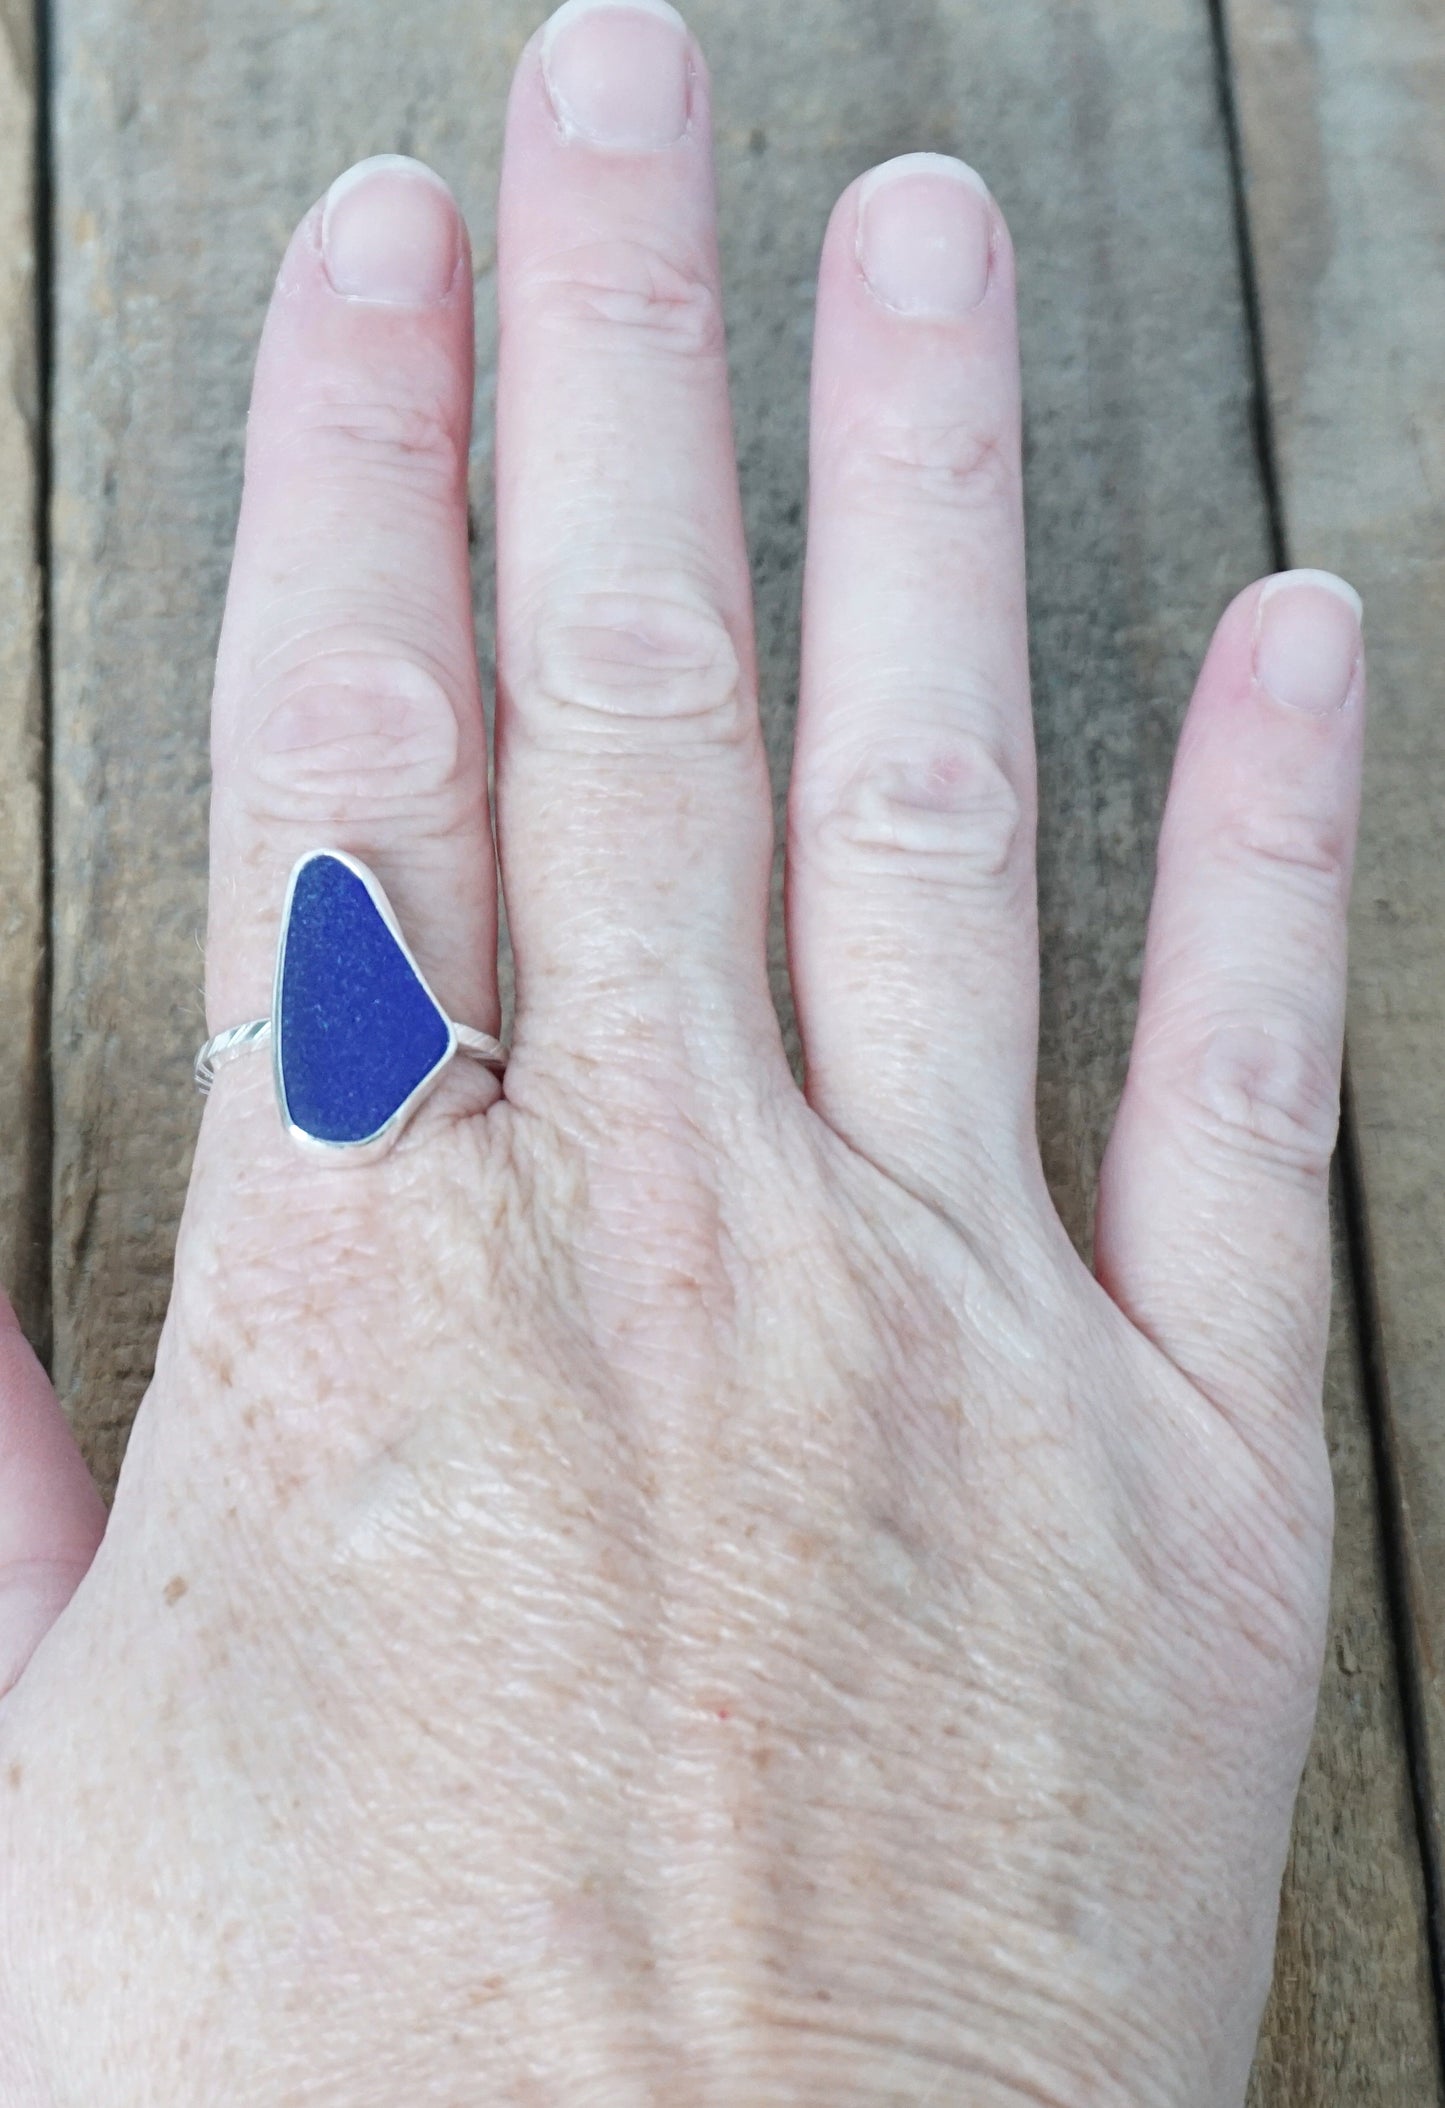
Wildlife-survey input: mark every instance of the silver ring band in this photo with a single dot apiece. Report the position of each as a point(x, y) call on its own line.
point(255, 1037)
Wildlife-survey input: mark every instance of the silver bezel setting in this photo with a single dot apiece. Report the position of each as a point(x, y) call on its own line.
point(385, 1137)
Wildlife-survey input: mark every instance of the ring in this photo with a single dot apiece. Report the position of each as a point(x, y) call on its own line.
point(357, 1038)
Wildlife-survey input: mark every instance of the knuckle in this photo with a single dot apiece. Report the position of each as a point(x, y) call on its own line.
point(413, 442)
point(634, 290)
point(955, 463)
point(1265, 1091)
point(1308, 852)
point(605, 666)
point(948, 814)
point(347, 732)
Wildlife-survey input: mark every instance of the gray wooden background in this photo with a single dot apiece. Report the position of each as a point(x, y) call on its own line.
point(1231, 223)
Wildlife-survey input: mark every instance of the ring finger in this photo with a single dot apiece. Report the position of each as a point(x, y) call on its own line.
point(347, 712)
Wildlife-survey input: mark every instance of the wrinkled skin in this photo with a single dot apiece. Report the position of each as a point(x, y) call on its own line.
point(670, 1588)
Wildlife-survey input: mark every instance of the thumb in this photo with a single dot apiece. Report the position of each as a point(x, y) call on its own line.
point(51, 1516)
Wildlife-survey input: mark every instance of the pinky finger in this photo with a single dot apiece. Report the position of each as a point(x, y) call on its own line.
point(51, 1516)
point(1213, 1223)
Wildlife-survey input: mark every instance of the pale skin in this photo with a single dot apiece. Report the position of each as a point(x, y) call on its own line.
point(673, 1587)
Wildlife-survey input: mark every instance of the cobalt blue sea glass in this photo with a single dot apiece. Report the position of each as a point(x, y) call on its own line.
point(359, 1030)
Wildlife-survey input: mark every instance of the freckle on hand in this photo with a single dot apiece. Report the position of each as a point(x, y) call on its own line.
point(176, 1588)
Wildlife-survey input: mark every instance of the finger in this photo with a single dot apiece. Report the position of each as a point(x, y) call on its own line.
point(1213, 1226)
point(347, 712)
point(912, 920)
point(633, 804)
point(51, 1517)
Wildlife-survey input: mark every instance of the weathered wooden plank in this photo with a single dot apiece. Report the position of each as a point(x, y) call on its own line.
point(24, 1122)
point(191, 135)
point(1342, 113)
point(1350, 2017)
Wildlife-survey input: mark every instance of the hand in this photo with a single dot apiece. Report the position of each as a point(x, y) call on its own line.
point(668, 1587)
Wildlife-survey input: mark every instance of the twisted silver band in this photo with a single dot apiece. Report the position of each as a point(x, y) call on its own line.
point(255, 1037)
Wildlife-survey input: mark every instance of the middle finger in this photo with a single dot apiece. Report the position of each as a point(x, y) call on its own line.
point(633, 805)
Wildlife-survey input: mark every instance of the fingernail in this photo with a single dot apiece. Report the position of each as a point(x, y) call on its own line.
point(619, 72)
point(390, 232)
point(925, 235)
point(1307, 640)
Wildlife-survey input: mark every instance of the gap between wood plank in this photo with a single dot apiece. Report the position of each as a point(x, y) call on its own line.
point(43, 207)
point(1354, 1207)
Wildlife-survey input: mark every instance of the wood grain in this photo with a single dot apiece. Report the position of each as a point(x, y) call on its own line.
point(1350, 2018)
point(24, 1145)
point(1343, 123)
point(192, 135)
